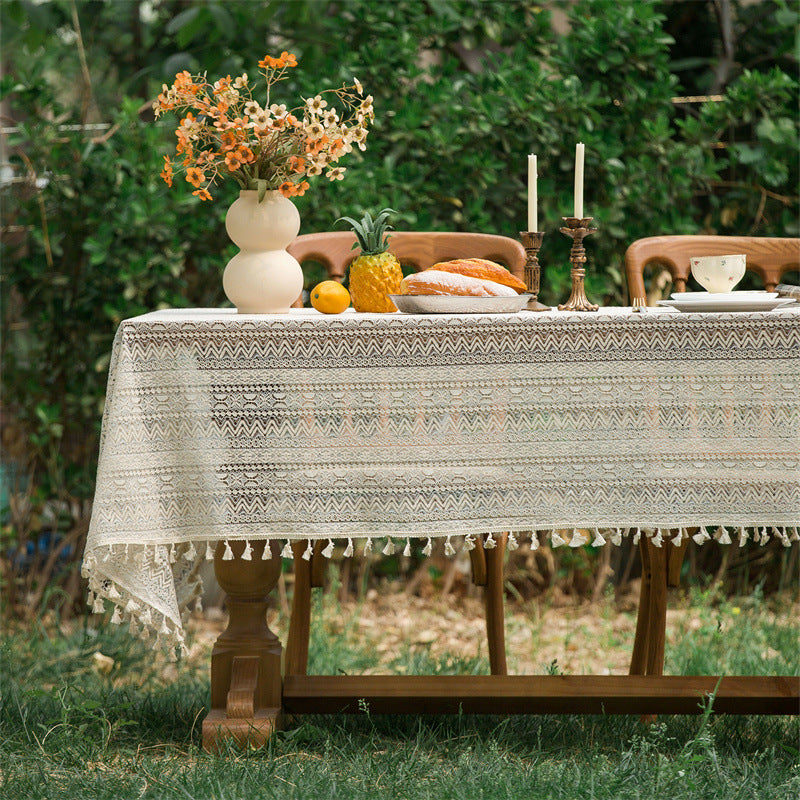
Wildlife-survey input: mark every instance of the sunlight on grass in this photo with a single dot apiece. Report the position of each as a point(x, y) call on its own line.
point(70, 730)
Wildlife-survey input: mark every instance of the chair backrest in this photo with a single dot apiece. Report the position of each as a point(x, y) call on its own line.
point(334, 249)
point(768, 257)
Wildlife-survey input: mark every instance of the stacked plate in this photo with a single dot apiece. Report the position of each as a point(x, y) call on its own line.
point(726, 301)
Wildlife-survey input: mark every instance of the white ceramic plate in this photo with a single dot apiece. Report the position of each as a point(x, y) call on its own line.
point(728, 303)
point(457, 304)
point(720, 296)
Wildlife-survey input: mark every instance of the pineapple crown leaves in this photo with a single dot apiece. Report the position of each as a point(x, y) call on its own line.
point(371, 236)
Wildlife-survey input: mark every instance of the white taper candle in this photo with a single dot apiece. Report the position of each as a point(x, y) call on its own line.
point(579, 148)
point(533, 201)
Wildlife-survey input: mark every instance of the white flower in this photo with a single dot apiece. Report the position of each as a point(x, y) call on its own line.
point(278, 111)
point(316, 104)
point(366, 106)
point(335, 174)
point(314, 131)
point(358, 86)
point(330, 118)
point(252, 108)
point(260, 122)
point(241, 81)
point(314, 169)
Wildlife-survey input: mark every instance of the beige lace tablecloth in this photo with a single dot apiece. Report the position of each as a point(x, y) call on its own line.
point(220, 427)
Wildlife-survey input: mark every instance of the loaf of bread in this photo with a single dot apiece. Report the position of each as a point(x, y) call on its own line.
point(434, 281)
point(481, 268)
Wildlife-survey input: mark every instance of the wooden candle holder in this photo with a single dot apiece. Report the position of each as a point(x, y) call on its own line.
point(578, 228)
point(532, 241)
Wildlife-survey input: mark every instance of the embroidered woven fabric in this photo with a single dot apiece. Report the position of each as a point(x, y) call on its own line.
point(220, 426)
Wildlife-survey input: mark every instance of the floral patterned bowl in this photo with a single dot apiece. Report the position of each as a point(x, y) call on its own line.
point(718, 274)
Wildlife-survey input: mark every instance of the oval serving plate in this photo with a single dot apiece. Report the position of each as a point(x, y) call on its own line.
point(458, 304)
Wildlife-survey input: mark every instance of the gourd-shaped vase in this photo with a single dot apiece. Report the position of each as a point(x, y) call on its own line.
point(262, 278)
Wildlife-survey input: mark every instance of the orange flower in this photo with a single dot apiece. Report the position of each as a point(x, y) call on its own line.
point(203, 194)
point(232, 161)
point(268, 62)
point(297, 163)
point(286, 188)
point(195, 176)
point(245, 155)
point(289, 59)
point(300, 189)
point(166, 173)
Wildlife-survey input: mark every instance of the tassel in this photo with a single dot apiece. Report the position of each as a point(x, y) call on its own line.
point(657, 540)
point(637, 536)
point(126, 553)
point(228, 554)
point(469, 542)
point(90, 598)
point(489, 544)
point(266, 555)
point(701, 537)
point(164, 629)
point(117, 616)
point(328, 551)
point(368, 545)
point(108, 554)
point(171, 654)
point(428, 549)
point(616, 537)
point(389, 549)
point(449, 550)
point(577, 539)
point(131, 606)
point(513, 544)
point(147, 617)
point(172, 557)
point(599, 541)
point(348, 551)
point(209, 552)
point(534, 541)
point(99, 606)
point(556, 540)
point(795, 537)
point(113, 594)
point(198, 605)
point(191, 553)
point(678, 538)
point(407, 548)
point(133, 628)
point(248, 551)
point(742, 536)
point(309, 551)
point(287, 550)
point(724, 536)
point(764, 536)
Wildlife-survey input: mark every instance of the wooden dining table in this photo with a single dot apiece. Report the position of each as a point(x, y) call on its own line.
point(248, 439)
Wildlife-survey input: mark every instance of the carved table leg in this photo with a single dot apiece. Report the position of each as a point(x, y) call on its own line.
point(246, 659)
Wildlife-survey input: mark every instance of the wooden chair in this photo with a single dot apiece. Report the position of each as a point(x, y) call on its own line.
point(770, 258)
point(334, 250)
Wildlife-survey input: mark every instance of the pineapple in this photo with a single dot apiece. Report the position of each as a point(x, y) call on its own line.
point(376, 272)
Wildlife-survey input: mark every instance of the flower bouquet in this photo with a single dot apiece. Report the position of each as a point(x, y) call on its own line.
point(227, 132)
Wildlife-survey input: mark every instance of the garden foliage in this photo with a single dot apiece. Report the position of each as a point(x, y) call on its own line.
point(464, 90)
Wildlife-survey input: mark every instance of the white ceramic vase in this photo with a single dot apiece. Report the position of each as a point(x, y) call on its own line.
point(262, 278)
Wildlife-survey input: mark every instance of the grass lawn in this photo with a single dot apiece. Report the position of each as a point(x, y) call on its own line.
point(70, 729)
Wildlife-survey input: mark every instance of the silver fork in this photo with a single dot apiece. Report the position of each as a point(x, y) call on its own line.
point(639, 305)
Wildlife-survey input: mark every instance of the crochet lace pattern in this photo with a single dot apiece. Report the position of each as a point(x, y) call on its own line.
point(570, 428)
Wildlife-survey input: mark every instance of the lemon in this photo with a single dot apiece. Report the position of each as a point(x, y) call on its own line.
point(330, 297)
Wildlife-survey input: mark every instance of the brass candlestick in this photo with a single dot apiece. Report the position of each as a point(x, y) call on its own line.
point(578, 229)
point(532, 241)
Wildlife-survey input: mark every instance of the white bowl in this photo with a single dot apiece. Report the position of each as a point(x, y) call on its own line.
point(718, 274)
